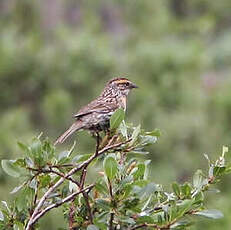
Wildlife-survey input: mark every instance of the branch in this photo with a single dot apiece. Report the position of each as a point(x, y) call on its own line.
point(139, 226)
point(83, 177)
point(112, 200)
point(72, 214)
point(68, 175)
point(55, 172)
point(85, 195)
point(111, 221)
point(80, 186)
point(67, 199)
point(146, 225)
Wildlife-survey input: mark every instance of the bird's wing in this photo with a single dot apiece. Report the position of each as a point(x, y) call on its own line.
point(99, 107)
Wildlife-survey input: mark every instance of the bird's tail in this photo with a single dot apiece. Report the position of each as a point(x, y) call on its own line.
point(74, 127)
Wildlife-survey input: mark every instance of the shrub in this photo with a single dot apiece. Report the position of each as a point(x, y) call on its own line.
point(122, 195)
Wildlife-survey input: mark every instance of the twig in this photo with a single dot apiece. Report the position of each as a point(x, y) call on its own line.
point(83, 177)
point(34, 216)
point(112, 201)
point(36, 195)
point(97, 143)
point(146, 225)
point(63, 166)
point(85, 195)
point(80, 185)
point(139, 226)
point(122, 158)
point(110, 189)
point(67, 199)
point(72, 206)
point(72, 214)
point(111, 221)
point(55, 172)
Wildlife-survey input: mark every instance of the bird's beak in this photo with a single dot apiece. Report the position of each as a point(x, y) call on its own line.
point(134, 86)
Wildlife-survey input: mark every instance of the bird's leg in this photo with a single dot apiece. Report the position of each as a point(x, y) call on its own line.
point(108, 133)
point(106, 138)
point(98, 140)
point(96, 135)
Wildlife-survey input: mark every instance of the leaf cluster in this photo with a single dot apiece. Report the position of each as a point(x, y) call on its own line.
point(123, 195)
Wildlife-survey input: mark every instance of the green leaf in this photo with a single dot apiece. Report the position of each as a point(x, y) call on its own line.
point(72, 187)
point(48, 149)
point(225, 149)
point(228, 169)
point(100, 188)
point(140, 152)
point(92, 227)
point(145, 192)
point(20, 163)
point(147, 203)
point(6, 205)
point(207, 158)
point(21, 200)
point(44, 180)
point(29, 162)
point(110, 167)
point(181, 224)
point(116, 118)
point(213, 190)
point(218, 171)
point(16, 189)
point(145, 219)
point(33, 184)
point(23, 147)
point(37, 154)
point(100, 225)
point(104, 204)
point(148, 140)
point(176, 189)
point(184, 206)
point(125, 219)
point(212, 213)
point(102, 218)
point(123, 129)
point(65, 154)
point(139, 173)
point(1, 216)
point(186, 190)
point(135, 135)
point(155, 133)
point(147, 162)
point(198, 180)
point(199, 197)
point(81, 158)
point(36, 146)
point(18, 226)
point(160, 219)
point(141, 183)
point(9, 168)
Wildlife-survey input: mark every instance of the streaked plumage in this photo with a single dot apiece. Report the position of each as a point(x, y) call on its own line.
point(96, 115)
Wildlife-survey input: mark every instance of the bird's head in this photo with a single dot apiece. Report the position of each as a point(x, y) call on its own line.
point(123, 85)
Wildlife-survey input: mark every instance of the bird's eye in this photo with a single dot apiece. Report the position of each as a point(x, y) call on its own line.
point(127, 83)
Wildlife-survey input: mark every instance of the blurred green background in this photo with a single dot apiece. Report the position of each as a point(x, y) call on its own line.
point(57, 55)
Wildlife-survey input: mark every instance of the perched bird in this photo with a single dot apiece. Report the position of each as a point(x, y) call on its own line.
point(95, 116)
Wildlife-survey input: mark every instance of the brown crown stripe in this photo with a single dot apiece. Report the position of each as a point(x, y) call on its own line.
point(121, 81)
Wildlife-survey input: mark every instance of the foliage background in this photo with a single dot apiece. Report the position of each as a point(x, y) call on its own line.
point(56, 55)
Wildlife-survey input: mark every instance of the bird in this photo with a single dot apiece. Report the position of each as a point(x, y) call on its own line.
point(95, 116)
